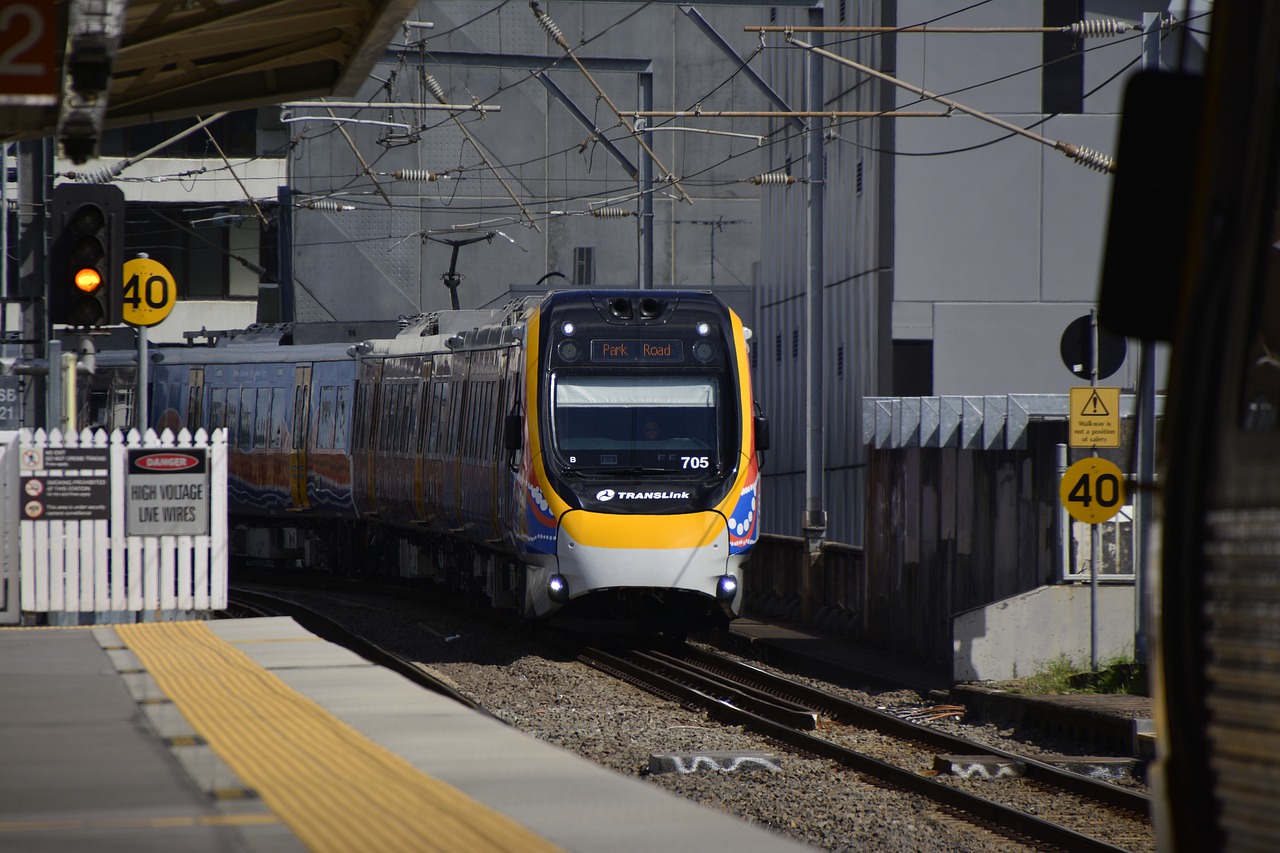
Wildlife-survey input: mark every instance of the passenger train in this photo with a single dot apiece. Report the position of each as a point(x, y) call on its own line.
point(587, 456)
point(1194, 259)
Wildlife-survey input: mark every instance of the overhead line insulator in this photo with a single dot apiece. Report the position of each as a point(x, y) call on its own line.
point(416, 175)
point(1100, 28)
point(610, 212)
point(773, 179)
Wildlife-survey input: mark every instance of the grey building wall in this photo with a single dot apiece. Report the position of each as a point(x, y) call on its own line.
point(549, 161)
point(981, 244)
point(975, 248)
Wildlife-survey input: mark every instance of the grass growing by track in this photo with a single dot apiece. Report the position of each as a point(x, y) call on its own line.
point(1061, 675)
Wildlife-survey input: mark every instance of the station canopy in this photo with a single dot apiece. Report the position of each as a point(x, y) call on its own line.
point(166, 59)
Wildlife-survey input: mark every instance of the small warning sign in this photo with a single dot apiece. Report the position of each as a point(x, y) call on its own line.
point(1095, 417)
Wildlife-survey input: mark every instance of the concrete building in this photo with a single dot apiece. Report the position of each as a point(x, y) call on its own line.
point(951, 253)
point(954, 252)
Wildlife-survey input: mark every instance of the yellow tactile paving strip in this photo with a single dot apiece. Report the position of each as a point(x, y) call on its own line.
point(336, 789)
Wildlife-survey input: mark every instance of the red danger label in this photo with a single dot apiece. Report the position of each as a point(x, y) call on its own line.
point(166, 462)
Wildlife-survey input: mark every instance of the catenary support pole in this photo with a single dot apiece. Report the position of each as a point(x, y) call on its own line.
point(814, 522)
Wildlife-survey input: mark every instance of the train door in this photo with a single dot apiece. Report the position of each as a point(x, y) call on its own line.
point(299, 434)
point(195, 397)
point(508, 460)
point(417, 443)
point(375, 425)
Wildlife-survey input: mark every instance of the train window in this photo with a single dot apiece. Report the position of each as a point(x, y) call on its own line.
point(217, 408)
point(233, 415)
point(439, 413)
point(652, 422)
point(246, 419)
point(262, 415)
point(324, 426)
point(341, 421)
point(278, 402)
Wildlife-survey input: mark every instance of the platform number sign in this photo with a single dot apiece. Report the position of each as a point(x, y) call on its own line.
point(1092, 490)
point(149, 292)
point(28, 54)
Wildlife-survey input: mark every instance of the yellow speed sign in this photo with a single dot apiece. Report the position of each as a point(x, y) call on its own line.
point(1092, 490)
point(149, 292)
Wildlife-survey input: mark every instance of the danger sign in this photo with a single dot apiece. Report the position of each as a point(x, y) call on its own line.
point(167, 492)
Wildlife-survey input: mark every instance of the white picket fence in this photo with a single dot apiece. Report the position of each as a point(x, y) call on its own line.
point(81, 567)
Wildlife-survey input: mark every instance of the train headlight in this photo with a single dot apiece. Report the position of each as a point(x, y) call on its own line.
point(569, 350)
point(703, 351)
point(568, 328)
point(727, 588)
point(704, 328)
point(558, 589)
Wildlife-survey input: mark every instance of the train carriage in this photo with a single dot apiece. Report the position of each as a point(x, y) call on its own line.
point(587, 456)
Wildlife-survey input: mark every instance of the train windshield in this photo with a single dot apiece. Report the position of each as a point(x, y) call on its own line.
point(637, 423)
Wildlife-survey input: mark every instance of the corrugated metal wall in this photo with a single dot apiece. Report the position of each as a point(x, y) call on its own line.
point(857, 294)
point(951, 529)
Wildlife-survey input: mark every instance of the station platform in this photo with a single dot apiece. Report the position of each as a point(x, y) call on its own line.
point(255, 735)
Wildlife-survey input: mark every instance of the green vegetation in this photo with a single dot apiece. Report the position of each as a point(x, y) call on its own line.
point(1120, 674)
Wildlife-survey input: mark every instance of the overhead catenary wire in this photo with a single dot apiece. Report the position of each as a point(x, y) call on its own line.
point(434, 87)
point(364, 164)
point(258, 210)
point(1085, 156)
point(104, 174)
point(558, 37)
point(787, 114)
point(1097, 28)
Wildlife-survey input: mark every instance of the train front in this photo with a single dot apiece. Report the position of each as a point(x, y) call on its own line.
point(639, 489)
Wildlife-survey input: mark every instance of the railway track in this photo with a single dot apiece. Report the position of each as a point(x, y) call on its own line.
point(808, 720)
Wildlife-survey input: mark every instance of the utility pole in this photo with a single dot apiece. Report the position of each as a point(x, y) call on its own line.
point(814, 521)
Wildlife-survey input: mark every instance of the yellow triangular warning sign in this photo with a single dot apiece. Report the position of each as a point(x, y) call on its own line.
point(1094, 407)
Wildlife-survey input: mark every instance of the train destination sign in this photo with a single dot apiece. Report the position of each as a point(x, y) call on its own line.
point(167, 492)
point(633, 351)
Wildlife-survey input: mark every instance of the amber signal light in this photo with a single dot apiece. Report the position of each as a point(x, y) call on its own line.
point(88, 280)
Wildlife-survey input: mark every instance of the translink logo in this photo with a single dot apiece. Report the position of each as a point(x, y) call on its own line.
point(610, 494)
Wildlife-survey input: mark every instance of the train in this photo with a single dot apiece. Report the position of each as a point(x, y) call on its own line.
point(585, 457)
point(1198, 183)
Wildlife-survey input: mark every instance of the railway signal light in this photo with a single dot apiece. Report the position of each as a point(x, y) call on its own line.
point(86, 259)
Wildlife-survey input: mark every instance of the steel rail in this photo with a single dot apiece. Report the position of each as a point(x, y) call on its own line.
point(334, 631)
point(846, 711)
point(997, 815)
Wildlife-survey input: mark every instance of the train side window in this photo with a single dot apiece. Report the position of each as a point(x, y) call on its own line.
point(382, 426)
point(453, 432)
point(361, 404)
point(324, 426)
point(262, 417)
point(409, 414)
point(278, 401)
point(233, 416)
point(246, 419)
point(300, 416)
point(217, 408)
point(439, 406)
point(341, 419)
